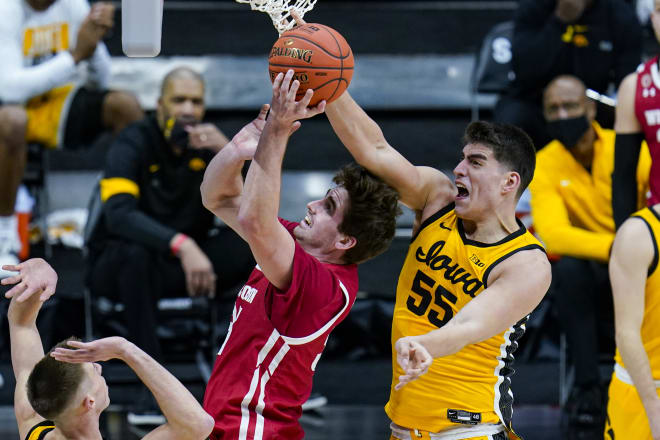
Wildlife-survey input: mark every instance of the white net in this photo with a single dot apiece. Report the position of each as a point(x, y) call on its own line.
point(280, 11)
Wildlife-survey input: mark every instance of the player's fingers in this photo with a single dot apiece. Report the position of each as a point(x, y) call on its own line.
point(11, 280)
point(294, 127)
point(291, 96)
point(189, 284)
point(286, 82)
point(13, 267)
point(277, 83)
point(298, 18)
point(77, 344)
point(263, 112)
point(304, 102)
point(27, 293)
point(16, 290)
point(47, 293)
point(320, 108)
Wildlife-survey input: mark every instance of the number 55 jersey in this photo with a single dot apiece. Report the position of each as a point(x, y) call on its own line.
point(443, 271)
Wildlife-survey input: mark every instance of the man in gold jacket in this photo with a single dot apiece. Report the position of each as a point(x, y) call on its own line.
point(572, 214)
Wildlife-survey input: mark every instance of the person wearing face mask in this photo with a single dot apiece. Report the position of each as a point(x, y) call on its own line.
point(572, 212)
point(154, 238)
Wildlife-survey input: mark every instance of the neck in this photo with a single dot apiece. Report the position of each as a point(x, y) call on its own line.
point(583, 152)
point(493, 228)
point(84, 428)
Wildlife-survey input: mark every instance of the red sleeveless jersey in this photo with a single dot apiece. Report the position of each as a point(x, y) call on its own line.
point(263, 372)
point(647, 110)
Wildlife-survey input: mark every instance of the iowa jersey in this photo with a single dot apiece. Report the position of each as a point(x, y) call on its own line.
point(442, 272)
point(39, 431)
point(650, 330)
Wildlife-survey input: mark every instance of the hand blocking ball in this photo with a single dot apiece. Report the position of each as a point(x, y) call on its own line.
point(320, 57)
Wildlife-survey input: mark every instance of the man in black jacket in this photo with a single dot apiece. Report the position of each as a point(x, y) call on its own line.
point(599, 41)
point(155, 239)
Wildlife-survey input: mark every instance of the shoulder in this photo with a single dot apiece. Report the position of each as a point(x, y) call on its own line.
point(442, 191)
point(629, 84)
point(529, 263)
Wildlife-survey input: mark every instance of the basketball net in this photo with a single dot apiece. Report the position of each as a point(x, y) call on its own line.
point(279, 11)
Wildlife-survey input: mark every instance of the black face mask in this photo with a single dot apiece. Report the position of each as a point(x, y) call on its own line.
point(175, 133)
point(568, 131)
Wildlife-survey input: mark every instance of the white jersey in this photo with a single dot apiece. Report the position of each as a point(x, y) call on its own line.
point(34, 49)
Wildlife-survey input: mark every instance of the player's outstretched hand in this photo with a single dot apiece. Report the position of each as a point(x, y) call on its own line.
point(35, 276)
point(94, 351)
point(284, 108)
point(413, 358)
point(246, 140)
point(299, 20)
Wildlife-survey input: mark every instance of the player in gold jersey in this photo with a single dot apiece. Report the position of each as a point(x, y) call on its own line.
point(472, 275)
point(633, 411)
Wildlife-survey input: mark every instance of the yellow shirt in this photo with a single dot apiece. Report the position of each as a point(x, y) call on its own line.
point(442, 272)
point(572, 207)
point(650, 330)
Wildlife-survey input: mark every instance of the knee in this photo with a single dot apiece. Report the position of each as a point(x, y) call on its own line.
point(121, 108)
point(13, 124)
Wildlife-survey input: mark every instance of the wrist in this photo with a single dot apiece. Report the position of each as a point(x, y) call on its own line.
point(177, 242)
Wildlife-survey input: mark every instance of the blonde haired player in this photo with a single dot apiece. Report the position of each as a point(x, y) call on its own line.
point(633, 410)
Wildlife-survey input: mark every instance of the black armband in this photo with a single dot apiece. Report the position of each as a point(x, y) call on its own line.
point(624, 178)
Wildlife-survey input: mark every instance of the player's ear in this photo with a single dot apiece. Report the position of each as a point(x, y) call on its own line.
point(346, 242)
point(511, 182)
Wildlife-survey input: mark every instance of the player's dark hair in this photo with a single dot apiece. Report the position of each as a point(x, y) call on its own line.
point(511, 147)
point(52, 384)
point(370, 215)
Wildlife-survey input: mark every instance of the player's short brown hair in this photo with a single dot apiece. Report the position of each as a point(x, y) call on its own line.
point(52, 384)
point(370, 215)
point(511, 147)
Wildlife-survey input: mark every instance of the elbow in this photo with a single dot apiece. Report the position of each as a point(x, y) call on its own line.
point(249, 222)
point(202, 427)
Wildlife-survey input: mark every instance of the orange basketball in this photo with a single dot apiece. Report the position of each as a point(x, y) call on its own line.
point(319, 55)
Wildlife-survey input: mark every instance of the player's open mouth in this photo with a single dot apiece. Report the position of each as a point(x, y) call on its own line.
point(463, 193)
point(307, 221)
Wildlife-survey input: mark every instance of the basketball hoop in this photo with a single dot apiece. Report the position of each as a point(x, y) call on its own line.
point(280, 11)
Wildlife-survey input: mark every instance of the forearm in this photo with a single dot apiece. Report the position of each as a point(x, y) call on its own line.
point(99, 67)
point(222, 178)
point(624, 179)
point(447, 340)
point(25, 342)
point(180, 408)
point(636, 362)
point(357, 131)
point(124, 219)
point(20, 84)
point(261, 194)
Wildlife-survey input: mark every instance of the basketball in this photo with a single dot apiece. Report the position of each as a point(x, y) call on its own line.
point(319, 55)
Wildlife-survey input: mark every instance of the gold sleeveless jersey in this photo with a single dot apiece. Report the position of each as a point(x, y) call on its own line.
point(442, 272)
point(39, 431)
point(650, 330)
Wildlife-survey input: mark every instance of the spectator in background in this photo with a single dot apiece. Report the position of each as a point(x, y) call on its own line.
point(155, 239)
point(42, 43)
point(572, 214)
point(599, 41)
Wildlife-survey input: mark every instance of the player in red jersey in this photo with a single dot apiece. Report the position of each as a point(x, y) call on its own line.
point(305, 280)
point(637, 119)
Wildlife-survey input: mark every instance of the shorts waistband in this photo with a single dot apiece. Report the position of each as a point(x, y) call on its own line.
point(458, 433)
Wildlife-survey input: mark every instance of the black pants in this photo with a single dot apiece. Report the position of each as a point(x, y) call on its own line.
point(138, 277)
point(584, 302)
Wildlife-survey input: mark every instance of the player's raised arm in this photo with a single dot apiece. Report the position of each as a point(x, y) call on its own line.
point(273, 247)
point(223, 184)
point(629, 137)
point(26, 347)
point(186, 419)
